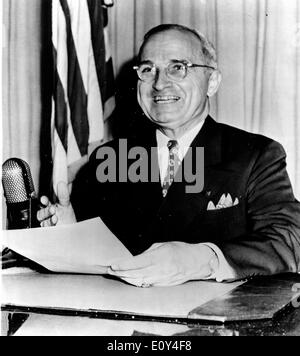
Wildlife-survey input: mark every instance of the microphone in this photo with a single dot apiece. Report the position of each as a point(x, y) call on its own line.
point(19, 193)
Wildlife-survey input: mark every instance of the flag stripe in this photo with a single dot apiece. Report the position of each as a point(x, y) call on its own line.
point(98, 43)
point(83, 91)
point(60, 172)
point(61, 118)
point(98, 16)
point(76, 91)
point(60, 54)
point(109, 80)
point(81, 30)
point(60, 42)
point(105, 17)
point(109, 89)
point(95, 106)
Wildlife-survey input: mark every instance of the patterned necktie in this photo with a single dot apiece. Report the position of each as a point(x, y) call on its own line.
point(173, 165)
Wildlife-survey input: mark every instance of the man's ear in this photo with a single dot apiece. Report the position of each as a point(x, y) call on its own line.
point(214, 82)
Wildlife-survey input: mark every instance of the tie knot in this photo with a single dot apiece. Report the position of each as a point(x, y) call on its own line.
point(172, 144)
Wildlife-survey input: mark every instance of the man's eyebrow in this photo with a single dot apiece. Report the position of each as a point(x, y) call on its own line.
point(147, 61)
point(183, 60)
point(174, 60)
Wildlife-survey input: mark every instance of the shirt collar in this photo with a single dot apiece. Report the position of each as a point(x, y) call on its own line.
point(183, 141)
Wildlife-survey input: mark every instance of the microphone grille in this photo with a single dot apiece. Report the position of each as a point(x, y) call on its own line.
point(17, 180)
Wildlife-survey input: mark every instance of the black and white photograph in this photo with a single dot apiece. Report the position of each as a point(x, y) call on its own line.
point(150, 170)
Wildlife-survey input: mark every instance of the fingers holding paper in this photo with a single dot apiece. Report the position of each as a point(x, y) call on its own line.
point(165, 264)
point(57, 214)
point(46, 215)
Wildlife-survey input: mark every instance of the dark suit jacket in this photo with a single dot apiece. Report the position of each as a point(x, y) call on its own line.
point(259, 236)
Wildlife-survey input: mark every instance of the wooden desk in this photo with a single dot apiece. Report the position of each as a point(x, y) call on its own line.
point(43, 321)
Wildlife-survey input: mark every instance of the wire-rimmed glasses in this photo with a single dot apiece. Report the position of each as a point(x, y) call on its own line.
point(175, 70)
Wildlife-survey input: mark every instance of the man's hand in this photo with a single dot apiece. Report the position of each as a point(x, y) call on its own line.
point(57, 214)
point(166, 264)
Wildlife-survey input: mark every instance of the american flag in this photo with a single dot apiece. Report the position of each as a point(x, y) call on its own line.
point(83, 90)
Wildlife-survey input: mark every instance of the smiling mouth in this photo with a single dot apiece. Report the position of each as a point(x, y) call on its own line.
point(165, 99)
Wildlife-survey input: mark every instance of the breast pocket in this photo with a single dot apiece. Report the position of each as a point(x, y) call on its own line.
point(223, 224)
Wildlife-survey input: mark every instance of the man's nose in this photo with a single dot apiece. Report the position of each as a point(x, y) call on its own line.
point(161, 80)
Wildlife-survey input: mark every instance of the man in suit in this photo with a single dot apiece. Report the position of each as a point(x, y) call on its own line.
point(244, 222)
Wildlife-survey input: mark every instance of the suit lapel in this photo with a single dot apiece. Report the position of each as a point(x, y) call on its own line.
point(177, 200)
point(209, 138)
point(182, 206)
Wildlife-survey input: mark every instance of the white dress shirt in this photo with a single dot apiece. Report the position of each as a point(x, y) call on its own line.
point(223, 271)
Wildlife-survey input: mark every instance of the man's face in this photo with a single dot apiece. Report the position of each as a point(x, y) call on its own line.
point(173, 104)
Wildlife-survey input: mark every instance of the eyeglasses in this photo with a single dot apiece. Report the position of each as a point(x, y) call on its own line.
point(176, 70)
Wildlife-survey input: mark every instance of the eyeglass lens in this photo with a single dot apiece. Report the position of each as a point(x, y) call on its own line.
point(174, 71)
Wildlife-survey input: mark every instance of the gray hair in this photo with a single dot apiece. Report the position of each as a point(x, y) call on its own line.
point(207, 49)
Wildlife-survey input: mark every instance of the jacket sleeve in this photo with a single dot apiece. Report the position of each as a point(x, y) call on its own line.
point(272, 244)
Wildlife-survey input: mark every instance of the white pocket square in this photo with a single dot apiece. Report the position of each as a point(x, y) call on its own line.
point(224, 202)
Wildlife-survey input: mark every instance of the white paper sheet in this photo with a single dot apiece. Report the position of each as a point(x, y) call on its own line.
point(85, 247)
